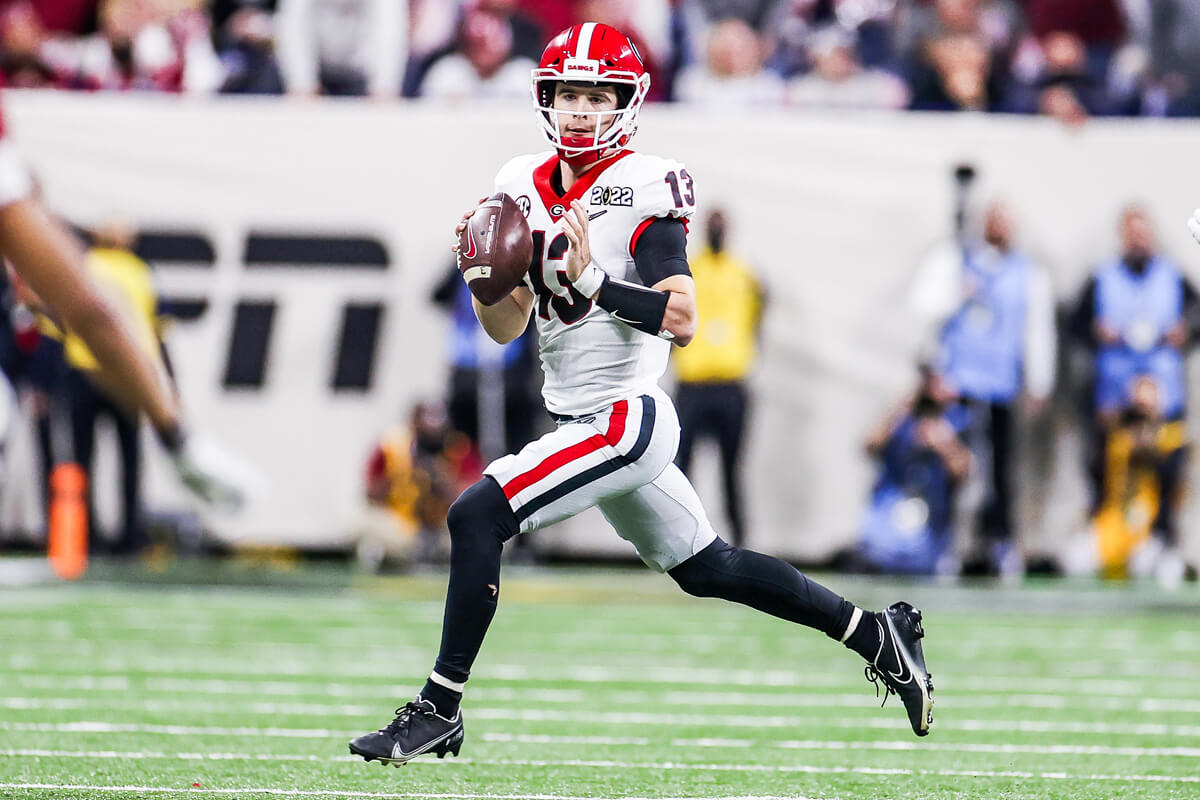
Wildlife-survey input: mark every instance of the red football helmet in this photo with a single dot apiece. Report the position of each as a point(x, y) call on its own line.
point(591, 53)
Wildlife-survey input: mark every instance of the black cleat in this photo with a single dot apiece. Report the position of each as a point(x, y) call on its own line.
point(900, 665)
point(416, 730)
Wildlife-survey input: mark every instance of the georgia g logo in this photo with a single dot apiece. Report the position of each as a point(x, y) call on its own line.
point(557, 210)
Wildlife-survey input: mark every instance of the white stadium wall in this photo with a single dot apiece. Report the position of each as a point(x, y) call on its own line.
point(834, 210)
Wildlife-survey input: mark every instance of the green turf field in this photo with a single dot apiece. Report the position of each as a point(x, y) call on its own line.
point(592, 684)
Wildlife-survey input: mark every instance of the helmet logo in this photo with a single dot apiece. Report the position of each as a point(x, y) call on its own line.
point(587, 65)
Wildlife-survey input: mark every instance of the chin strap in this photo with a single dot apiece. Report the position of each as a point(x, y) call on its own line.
point(588, 157)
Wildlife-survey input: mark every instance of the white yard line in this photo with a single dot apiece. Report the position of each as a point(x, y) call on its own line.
point(720, 744)
point(1007, 726)
point(241, 673)
point(347, 656)
point(382, 795)
point(800, 702)
point(759, 768)
point(186, 633)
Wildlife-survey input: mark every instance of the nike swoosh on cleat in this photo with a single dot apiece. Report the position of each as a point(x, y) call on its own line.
point(901, 657)
point(398, 751)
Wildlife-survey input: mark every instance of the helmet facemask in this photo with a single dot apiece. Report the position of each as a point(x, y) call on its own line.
point(579, 151)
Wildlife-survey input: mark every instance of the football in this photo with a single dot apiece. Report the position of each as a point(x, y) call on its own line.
point(495, 249)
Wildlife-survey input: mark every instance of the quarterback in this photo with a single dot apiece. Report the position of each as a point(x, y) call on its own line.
point(610, 288)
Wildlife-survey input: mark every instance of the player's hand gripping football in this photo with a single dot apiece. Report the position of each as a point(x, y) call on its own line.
point(1194, 225)
point(462, 224)
point(575, 226)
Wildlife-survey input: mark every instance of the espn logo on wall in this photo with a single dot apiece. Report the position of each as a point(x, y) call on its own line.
point(250, 338)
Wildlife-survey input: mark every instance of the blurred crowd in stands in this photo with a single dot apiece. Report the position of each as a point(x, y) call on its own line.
point(1070, 59)
point(996, 333)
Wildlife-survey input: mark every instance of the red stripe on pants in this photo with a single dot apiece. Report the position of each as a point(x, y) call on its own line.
point(616, 429)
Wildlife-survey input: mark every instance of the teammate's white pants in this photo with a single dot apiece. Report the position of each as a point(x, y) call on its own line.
point(620, 459)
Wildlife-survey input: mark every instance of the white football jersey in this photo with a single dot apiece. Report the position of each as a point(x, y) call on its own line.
point(590, 359)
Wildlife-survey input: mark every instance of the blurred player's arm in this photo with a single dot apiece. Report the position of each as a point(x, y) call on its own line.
point(50, 260)
point(506, 320)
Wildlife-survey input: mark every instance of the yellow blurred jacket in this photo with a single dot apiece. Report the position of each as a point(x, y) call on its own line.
point(730, 302)
point(1132, 496)
point(405, 481)
point(125, 281)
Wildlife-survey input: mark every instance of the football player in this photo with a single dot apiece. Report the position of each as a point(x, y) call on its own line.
point(48, 264)
point(611, 291)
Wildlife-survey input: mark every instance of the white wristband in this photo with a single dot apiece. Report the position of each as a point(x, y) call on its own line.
point(588, 282)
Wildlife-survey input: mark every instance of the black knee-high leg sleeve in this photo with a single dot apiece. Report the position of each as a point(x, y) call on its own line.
point(480, 521)
point(765, 583)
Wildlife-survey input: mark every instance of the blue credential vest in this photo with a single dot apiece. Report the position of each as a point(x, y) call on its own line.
point(983, 343)
point(465, 337)
point(907, 525)
point(1142, 308)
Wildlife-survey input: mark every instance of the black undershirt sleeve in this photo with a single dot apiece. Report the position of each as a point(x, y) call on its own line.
point(661, 250)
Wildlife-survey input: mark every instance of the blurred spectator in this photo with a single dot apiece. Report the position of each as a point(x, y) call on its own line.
point(997, 22)
point(1143, 457)
point(1139, 315)
point(529, 38)
point(1061, 85)
point(923, 461)
point(483, 65)
point(712, 396)
point(994, 307)
point(23, 32)
point(733, 75)
point(956, 54)
point(59, 17)
point(139, 45)
point(432, 28)
point(413, 474)
point(471, 351)
point(957, 73)
point(1098, 24)
point(244, 36)
point(838, 80)
point(551, 16)
point(758, 14)
point(343, 47)
point(1175, 54)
